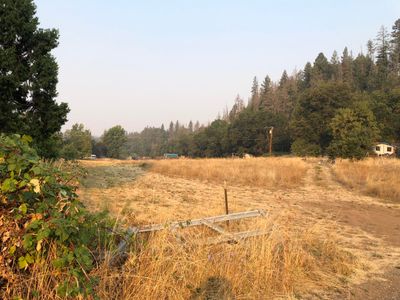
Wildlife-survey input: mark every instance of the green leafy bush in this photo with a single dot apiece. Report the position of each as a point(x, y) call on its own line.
point(42, 220)
point(301, 147)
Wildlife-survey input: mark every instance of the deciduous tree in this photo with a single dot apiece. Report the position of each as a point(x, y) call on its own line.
point(114, 139)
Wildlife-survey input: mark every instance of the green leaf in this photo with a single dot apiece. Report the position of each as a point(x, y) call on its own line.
point(12, 250)
point(22, 184)
point(26, 139)
point(59, 262)
point(8, 185)
point(29, 259)
point(36, 170)
point(22, 263)
point(27, 241)
point(23, 209)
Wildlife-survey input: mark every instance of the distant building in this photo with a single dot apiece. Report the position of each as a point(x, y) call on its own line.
point(171, 155)
point(384, 149)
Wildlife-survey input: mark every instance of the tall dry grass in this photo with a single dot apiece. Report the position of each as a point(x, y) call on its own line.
point(291, 261)
point(378, 177)
point(270, 172)
point(285, 263)
point(288, 262)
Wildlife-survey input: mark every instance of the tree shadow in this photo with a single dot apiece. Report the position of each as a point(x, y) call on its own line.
point(214, 288)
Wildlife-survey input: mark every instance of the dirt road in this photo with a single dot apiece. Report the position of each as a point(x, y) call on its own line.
point(378, 221)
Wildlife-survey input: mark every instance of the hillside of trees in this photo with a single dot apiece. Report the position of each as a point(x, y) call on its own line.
point(337, 106)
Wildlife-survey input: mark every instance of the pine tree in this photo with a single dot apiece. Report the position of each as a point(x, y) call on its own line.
point(190, 126)
point(382, 56)
point(284, 79)
point(28, 76)
point(371, 49)
point(335, 67)
point(363, 68)
point(255, 96)
point(395, 48)
point(265, 93)
point(321, 68)
point(347, 67)
point(171, 128)
point(305, 81)
point(177, 126)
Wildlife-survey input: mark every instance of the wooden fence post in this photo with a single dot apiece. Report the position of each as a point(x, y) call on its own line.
point(226, 200)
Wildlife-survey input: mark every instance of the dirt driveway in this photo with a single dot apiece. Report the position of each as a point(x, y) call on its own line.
point(378, 221)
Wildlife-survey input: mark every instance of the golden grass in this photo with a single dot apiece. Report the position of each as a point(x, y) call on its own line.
point(375, 177)
point(283, 264)
point(255, 172)
point(295, 259)
point(288, 262)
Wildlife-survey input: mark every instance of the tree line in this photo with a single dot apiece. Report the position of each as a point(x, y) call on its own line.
point(338, 106)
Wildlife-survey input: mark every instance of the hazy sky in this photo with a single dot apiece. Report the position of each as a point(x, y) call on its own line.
point(144, 63)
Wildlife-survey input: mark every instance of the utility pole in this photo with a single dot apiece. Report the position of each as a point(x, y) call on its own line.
point(270, 134)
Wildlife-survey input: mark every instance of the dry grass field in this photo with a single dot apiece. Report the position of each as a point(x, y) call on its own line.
point(254, 172)
point(324, 241)
point(376, 177)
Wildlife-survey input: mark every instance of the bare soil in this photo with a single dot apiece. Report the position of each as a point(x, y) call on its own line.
point(372, 216)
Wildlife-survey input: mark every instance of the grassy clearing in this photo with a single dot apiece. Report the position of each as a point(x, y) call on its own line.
point(375, 177)
point(255, 172)
point(107, 176)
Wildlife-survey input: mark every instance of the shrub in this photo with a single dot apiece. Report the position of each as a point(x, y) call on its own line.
point(301, 147)
point(41, 218)
point(354, 132)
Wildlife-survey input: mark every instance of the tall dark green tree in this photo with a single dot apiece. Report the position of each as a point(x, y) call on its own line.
point(382, 56)
point(316, 107)
point(363, 72)
point(265, 93)
point(347, 67)
point(255, 95)
point(284, 79)
point(305, 78)
point(212, 141)
point(321, 69)
point(395, 48)
point(336, 70)
point(28, 77)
